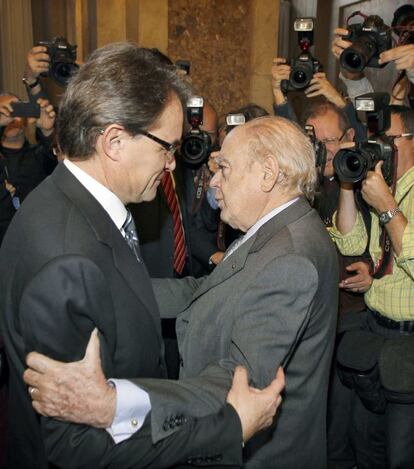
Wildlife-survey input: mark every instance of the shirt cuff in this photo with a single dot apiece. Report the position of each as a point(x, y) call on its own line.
point(132, 406)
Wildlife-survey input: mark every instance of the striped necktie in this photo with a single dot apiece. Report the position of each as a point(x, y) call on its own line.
point(180, 251)
point(131, 236)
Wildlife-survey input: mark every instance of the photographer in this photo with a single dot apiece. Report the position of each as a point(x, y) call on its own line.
point(384, 438)
point(22, 165)
point(402, 56)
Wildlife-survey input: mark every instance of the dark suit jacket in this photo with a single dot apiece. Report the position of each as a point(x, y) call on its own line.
point(155, 230)
point(65, 269)
point(273, 301)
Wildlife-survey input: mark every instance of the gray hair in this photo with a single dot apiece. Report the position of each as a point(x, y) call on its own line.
point(292, 149)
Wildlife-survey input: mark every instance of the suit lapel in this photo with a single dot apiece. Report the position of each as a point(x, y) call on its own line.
point(237, 260)
point(133, 272)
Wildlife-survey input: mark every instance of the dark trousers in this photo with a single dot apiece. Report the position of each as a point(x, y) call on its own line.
point(383, 441)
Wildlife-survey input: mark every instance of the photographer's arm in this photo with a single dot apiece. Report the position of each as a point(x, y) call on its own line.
point(280, 71)
point(347, 209)
point(377, 194)
point(37, 62)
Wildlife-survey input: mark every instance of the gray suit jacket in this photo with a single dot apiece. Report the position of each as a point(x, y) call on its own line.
point(272, 302)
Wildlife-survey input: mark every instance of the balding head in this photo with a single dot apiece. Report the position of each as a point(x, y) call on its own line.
point(210, 121)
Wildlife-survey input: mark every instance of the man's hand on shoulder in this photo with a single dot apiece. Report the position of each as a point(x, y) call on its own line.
point(256, 407)
point(76, 392)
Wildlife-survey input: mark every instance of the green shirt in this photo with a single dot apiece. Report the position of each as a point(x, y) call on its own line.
point(392, 295)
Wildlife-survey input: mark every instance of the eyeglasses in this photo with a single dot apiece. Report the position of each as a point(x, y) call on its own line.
point(171, 148)
point(406, 135)
point(334, 140)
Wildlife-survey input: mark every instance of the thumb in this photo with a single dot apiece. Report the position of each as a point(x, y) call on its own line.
point(240, 377)
point(350, 267)
point(278, 384)
point(92, 355)
point(378, 167)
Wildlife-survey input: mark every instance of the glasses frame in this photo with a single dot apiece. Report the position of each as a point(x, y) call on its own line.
point(171, 148)
point(404, 135)
point(336, 140)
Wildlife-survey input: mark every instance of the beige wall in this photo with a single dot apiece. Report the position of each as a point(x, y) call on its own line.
point(230, 42)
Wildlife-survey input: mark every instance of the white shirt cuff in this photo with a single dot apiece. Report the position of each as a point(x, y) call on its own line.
point(132, 406)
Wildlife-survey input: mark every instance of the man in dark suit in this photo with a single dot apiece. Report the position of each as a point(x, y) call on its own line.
point(70, 262)
point(271, 300)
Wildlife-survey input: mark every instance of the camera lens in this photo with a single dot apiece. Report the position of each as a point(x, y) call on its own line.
point(350, 165)
point(353, 164)
point(61, 72)
point(299, 77)
point(353, 60)
point(195, 148)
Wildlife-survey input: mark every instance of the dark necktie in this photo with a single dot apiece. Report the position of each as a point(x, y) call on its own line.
point(131, 236)
point(180, 251)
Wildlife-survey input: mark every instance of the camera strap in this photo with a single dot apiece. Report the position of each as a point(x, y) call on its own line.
point(201, 181)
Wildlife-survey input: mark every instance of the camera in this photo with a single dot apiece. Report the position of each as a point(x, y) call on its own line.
point(62, 60)
point(196, 144)
point(352, 165)
point(369, 39)
point(25, 109)
point(305, 65)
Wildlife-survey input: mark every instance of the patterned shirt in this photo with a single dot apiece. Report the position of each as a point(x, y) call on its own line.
point(392, 295)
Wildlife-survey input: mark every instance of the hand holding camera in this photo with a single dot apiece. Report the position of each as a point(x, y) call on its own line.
point(403, 57)
point(37, 62)
point(375, 190)
point(6, 109)
point(321, 86)
point(47, 117)
point(280, 71)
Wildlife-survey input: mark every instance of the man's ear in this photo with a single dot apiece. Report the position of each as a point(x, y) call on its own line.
point(270, 173)
point(111, 141)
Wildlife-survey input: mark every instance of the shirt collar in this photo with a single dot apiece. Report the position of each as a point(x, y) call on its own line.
point(109, 201)
point(251, 231)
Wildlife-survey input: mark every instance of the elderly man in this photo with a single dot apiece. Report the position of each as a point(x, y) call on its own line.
point(70, 262)
point(272, 300)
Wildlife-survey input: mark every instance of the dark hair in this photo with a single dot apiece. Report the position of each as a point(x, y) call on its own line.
point(120, 83)
point(321, 108)
point(406, 115)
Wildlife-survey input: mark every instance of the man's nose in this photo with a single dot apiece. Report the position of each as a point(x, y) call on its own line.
point(215, 180)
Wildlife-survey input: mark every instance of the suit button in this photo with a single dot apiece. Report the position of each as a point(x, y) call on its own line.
point(165, 426)
point(172, 422)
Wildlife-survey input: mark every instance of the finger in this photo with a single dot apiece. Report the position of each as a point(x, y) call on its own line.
point(351, 267)
point(38, 408)
point(341, 31)
point(92, 354)
point(378, 167)
point(320, 75)
point(41, 363)
point(32, 378)
point(279, 60)
point(278, 384)
point(314, 94)
point(37, 49)
point(240, 377)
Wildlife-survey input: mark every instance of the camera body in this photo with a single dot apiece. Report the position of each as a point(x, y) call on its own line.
point(25, 109)
point(369, 39)
point(305, 65)
point(352, 165)
point(62, 59)
point(196, 144)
